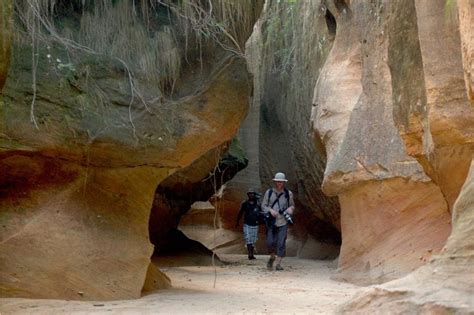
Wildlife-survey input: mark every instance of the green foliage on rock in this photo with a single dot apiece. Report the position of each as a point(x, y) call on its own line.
point(235, 154)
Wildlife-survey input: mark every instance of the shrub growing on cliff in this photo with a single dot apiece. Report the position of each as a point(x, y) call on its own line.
point(148, 37)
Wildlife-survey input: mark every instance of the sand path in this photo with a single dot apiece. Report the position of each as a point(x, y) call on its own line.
point(241, 287)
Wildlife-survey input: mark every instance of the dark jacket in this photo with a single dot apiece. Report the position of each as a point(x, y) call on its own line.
point(251, 212)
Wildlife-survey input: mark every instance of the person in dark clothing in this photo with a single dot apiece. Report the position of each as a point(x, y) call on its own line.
point(250, 209)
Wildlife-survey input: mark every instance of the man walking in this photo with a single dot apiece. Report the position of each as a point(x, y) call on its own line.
point(278, 203)
point(251, 211)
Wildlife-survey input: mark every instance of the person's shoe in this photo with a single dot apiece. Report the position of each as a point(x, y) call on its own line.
point(251, 251)
point(278, 267)
point(270, 263)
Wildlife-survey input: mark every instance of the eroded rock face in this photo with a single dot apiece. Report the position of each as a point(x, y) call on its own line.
point(80, 167)
point(467, 43)
point(197, 182)
point(442, 141)
point(444, 285)
point(129, 179)
point(372, 152)
point(391, 228)
point(104, 135)
point(450, 114)
point(73, 231)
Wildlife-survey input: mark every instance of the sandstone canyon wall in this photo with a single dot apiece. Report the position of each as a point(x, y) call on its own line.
point(391, 120)
point(399, 146)
point(392, 117)
point(86, 136)
point(367, 106)
point(442, 286)
point(442, 137)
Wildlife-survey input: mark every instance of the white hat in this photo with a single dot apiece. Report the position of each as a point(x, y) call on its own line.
point(280, 177)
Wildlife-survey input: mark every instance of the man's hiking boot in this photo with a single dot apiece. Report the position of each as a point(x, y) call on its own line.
point(278, 267)
point(270, 263)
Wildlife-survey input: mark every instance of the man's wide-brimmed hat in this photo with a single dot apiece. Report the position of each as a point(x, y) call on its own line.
point(280, 177)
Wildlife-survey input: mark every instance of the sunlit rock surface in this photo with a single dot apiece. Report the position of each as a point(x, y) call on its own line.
point(444, 285)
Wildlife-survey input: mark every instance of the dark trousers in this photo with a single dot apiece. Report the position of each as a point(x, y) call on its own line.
point(276, 240)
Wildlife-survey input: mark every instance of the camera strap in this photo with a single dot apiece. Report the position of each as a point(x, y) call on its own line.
point(277, 200)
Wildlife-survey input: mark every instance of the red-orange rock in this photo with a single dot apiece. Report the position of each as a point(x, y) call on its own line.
point(77, 192)
point(445, 140)
point(388, 226)
point(369, 83)
point(197, 182)
point(72, 231)
point(444, 285)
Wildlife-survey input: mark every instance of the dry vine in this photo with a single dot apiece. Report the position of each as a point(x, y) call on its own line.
point(38, 21)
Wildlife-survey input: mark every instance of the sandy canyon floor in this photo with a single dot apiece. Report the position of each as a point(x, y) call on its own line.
point(241, 286)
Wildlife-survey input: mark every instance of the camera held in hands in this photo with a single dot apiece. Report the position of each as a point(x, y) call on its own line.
point(287, 216)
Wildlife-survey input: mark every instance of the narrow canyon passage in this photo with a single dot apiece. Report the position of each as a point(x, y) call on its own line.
point(241, 286)
point(131, 132)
